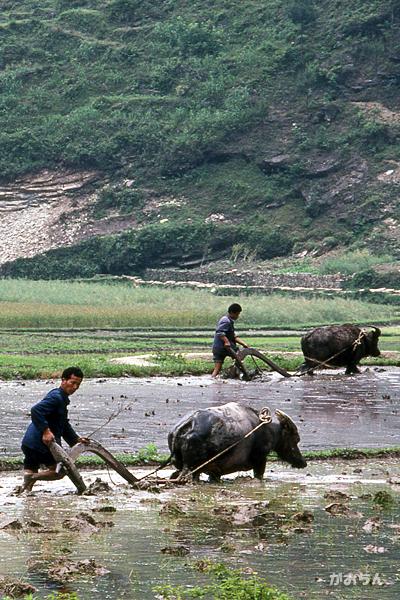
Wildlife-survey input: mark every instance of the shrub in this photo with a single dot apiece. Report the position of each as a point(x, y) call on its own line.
point(329, 242)
point(368, 278)
point(127, 12)
point(266, 242)
point(154, 245)
point(302, 11)
point(83, 19)
point(375, 133)
point(67, 4)
point(123, 11)
point(120, 197)
point(187, 38)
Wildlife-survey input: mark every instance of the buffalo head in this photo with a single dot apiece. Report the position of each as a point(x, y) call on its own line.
point(372, 338)
point(287, 447)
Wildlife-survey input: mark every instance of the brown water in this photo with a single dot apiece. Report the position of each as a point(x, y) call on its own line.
point(305, 564)
point(330, 409)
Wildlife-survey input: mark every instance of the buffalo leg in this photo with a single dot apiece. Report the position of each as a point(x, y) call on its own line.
point(182, 475)
point(306, 369)
point(352, 370)
point(185, 475)
point(194, 477)
point(259, 468)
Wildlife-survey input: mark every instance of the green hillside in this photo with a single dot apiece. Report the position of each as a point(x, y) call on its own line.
point(269, 127)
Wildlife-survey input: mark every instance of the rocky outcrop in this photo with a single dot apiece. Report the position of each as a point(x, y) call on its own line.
point(43, 211)
point(51, 209)
point(338, 190)
point(275, 164)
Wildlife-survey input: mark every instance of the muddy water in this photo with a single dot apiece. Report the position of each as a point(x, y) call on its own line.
point(331, 410)
point(307, 560)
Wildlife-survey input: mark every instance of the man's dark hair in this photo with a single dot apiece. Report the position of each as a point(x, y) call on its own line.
point(235, 308)
point(66, 374)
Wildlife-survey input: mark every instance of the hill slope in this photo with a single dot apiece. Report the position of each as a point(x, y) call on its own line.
point(266, 127)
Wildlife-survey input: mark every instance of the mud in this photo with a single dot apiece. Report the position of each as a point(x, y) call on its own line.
point(330, 409)
point(279, 529)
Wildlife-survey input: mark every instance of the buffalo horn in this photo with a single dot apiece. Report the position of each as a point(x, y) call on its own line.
point(377, 330)
point(284, 419)
point(265, 415)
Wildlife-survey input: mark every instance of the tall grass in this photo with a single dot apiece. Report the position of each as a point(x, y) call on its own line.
point(352, 262)
point(75, 304)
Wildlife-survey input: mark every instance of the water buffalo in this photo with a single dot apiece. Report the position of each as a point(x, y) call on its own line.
point(338, 346)
point(201, 435)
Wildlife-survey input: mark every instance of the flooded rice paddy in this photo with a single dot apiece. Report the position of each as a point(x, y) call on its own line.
point(308, 532)
point(330, 530)
point(330, 409)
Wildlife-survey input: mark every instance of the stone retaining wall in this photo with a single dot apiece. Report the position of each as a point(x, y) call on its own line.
point(247, 278)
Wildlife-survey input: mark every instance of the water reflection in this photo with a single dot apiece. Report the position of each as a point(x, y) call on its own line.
point(331, 410)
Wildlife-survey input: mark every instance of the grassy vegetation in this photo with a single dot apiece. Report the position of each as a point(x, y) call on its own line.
point(47, 325)
point(352, 262)
point(47, 352)
point(167, 364)
point(44, 367)
point(226, 584)
point(150, 455)
point(352, 453)
point(70, 304)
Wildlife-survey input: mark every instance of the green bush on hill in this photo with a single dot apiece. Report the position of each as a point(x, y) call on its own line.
point(302, 11)
point(130, 12)
point(369, 278)
point(155, 245)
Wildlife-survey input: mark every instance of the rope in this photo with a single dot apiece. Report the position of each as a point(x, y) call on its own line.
point(109, 474)
point(265, 418)
point(258, 370)
point(164, 464)
point(358, 340)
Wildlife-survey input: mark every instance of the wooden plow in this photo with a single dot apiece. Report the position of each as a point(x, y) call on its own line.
point(240, 368)
point(66, 462)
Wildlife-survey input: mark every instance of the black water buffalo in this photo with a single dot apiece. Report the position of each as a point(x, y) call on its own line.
point(200, 436)
point(338, 346)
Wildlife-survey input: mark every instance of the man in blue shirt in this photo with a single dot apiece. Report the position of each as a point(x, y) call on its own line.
point(50, 423)
point(225, 339)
